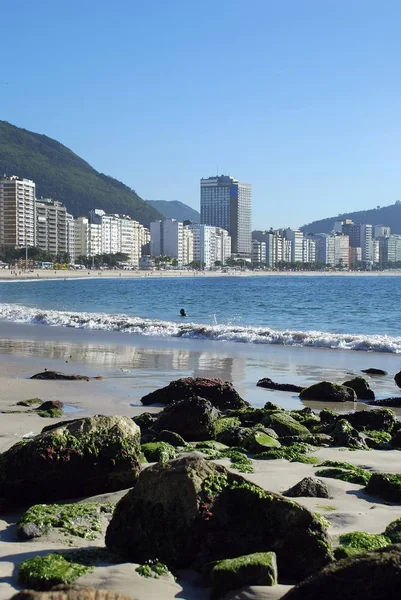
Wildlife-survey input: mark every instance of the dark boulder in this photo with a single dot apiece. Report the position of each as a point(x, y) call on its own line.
point(220, 393)
point(370, 576)
point(373, 420)
point(78, 458)
point(328, 392)
point(254, 439)
point(191, 510)
point(309, 487)
point(283, 387)
point(373, 371)
point(386, 486)
point(194, 419)
point(61, 376)
point(397, 379)
point(50, 405)
point(361, 388)
point(144, 421)
point(344, 435)
point(387, 402)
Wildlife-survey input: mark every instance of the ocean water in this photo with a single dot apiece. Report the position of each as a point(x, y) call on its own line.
point(356, 313)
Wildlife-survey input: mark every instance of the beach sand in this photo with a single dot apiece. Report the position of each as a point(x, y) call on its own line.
point(131, 367)
point(44, 274)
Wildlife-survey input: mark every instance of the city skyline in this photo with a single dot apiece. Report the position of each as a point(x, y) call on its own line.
point(304, 107)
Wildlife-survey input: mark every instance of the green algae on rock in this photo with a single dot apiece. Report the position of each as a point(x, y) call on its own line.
point(29, 402)
point(293, 453)
point(359, 541)
point(393, 531)
point(344, 471)
point(158, 451)
point(153, 569)
point(259, 568)
point(44, 572)
point(80, 519)
point(76, 458)
point(360, 387)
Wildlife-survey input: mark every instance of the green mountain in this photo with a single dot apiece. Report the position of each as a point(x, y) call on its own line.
point(386, 215)
point(62, 175)
point(173, 209)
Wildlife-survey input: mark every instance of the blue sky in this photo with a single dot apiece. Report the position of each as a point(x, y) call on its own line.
point(300, 98)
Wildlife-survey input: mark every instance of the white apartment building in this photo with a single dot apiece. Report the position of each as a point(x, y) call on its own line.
point(308, 250)
point(258, 252)
point(188, 246)
point(167, 239)
point(50, 225)
point(17, 212)
point(296, 238)
point(332, 249)
point(70, 237)
point(211, 244)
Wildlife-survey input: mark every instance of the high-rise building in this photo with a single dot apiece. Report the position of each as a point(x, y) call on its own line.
point(227, 203)
point(166, 239)
point(296, 238)
point(71, 237)
point(17, 212)
point(51, 225)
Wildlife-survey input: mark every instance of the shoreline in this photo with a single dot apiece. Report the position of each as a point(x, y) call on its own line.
point(44, 275)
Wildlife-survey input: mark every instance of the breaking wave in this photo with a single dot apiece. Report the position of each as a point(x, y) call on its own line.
point(228, 333)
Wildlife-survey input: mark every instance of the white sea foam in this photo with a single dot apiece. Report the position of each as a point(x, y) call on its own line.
point(231, 333)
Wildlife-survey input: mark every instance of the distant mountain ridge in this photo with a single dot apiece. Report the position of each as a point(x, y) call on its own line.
point(386, 215)
point(62, 175)
point(173, 209)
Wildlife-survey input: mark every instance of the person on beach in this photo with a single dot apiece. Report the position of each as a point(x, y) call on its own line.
point(183, 313)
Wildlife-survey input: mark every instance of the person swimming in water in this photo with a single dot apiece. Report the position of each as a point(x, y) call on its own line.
point(183, 313)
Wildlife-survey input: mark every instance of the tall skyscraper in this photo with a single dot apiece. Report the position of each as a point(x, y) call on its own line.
point(17, 212)
point(227, 203)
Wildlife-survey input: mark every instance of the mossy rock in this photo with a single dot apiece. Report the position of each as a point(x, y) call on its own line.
point(248, 416)
point(260, 441)
point(379, 419)
point(45, 572)
point(284, 424)
point(172, 438)
point(30, 402)
point(84, 520)
point(360, 387)
point(144, 421)
point(192, 511)
point(293, 453)
point(226, 423)
point(158, 451)
point(344, 471)
point(195, 419)
point(359, 541)
point(372, 575)
point(221, 394)
point(259, 568)
point(386, 486)
point(325, 391)
point(378, 440)
point(77, 458)
point(393, 531)
point(346, 436)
